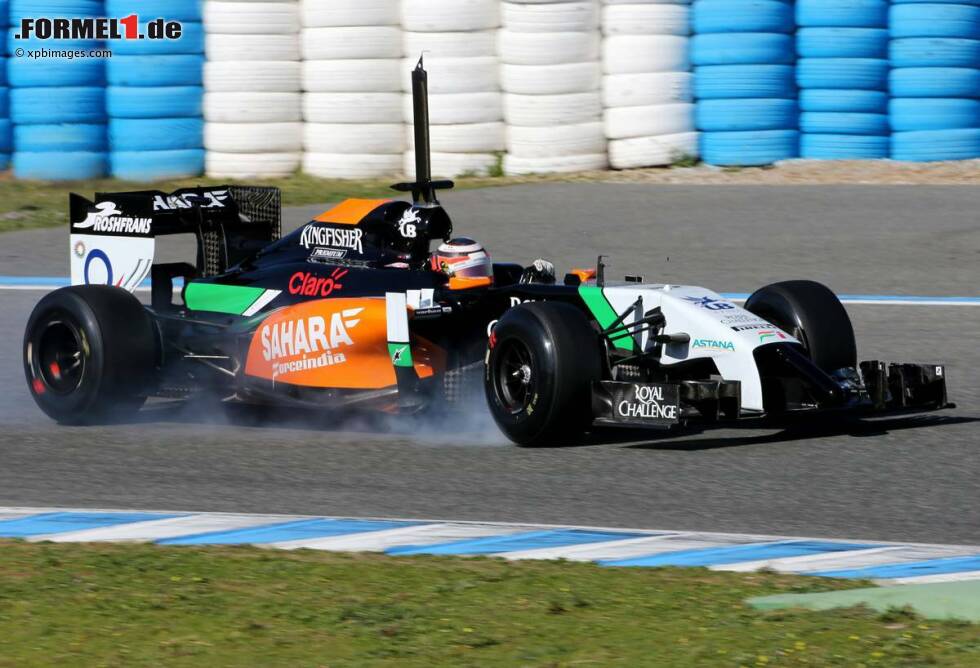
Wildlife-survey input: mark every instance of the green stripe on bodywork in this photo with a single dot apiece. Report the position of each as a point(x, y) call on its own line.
point(233, 299)
point(604, 313)
point(401, 354)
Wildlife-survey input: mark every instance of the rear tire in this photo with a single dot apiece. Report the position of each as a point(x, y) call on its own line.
point(542, 361)
point(89, 354)
point(812, 313)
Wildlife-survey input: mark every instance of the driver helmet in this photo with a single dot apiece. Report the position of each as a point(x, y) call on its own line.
point(462, 258)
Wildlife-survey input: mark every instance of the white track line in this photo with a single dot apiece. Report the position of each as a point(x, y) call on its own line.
point(378, 541)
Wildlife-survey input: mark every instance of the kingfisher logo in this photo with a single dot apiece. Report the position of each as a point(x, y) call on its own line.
point(321, 235)
point(101, 29)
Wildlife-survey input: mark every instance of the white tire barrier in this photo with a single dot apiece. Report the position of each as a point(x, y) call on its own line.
point(633, 90)
point(352, 76)
point(550, 17)
point(254, 137)
point(653, 19)
point(450, 44)
point(556, 141)
point(251, 165)
point(649, 121)
point(251, 18)
point(647, 151)
point(519, 166)
point(527, 48)
point(330, 13)
point(253, 76)
point(458, 108)
point(352, 107)
point(550, 79)
point(251, 47)
point(466, 138)
point(451, 165)
point(351, 43)
point(626, 54)
point(538, 110)
point(252, 107)
point(351, 166)
point(454, 75)
point(450, 15)
point(353, 138)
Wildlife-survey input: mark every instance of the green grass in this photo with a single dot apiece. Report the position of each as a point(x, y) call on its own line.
point(142, 605)
point(28, 204)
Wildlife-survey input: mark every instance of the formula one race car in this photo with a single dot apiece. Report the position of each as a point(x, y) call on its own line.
point(352, 310)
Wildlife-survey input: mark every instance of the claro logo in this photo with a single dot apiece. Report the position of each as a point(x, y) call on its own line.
point(311, 285)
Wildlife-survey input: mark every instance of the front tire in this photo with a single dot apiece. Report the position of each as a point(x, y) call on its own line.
point(812, 313)
point(89, 354)
point(542, 360)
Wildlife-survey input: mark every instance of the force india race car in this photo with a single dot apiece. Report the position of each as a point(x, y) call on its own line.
point(347, 312)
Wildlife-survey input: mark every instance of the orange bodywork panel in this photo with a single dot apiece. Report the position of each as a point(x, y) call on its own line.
point(350, 212)
point(340, 343)
point(333, 343)
point(584, 274)
point(468, 283)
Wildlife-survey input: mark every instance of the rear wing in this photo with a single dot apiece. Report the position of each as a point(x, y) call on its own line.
point(112, 238)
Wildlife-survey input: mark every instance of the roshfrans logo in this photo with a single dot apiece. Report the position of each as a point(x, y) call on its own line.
point(107, 218)
point(322, 235)
point(101, 29)
point(649, 404)
point(712, 344)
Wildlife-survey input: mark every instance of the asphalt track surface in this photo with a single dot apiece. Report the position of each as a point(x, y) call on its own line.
point(910, 478)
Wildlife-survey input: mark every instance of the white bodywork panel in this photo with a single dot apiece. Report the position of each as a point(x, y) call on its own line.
point(711, 322)
point(122, 261)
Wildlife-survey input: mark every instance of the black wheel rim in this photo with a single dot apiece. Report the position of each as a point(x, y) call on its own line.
point(59, 356)
point(515, 376)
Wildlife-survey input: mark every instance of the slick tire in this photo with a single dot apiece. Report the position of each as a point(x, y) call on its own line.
point(89, 354)
point(542, 360)
point(812, 313)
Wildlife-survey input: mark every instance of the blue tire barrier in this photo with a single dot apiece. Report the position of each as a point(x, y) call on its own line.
point(34, 43)
point(743, 115)
point(4, 103)
point(3, 71)
point(4, 161)
point(749, 148)
point(934, 82)
point(172, 10)
point(155, 134)
point(930, 145)
point(843, 123)
point(6, 136)
point(842, 43)
point(67, 137)
point(933, 2)
point(862, 73)
point(160, 102)
point(909, 114)
point(934, 52)
point(714, 82)
point(151, 71)
point(47, 106)
point(157, 165)
point(712, 16)
point(4, 17)
point(939, 20)
point(63, 166)
point(31, 73)
point(191, 41)
point(742, 48)
point(856, 101)
point(20, 9)
point(844, 147)
point(842, 13)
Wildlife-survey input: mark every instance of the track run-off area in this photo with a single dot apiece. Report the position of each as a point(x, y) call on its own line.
point(902, 479)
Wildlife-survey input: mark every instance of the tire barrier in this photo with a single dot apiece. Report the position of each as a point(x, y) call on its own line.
point(934, 110)
point(6, 128)
point(351, 76)
point(651, 127)
point(57, 119)
point(252, 89)
point(154, 97)
point(550, 57)
point(466, 111)
point(842, 73)
point(743, 54)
